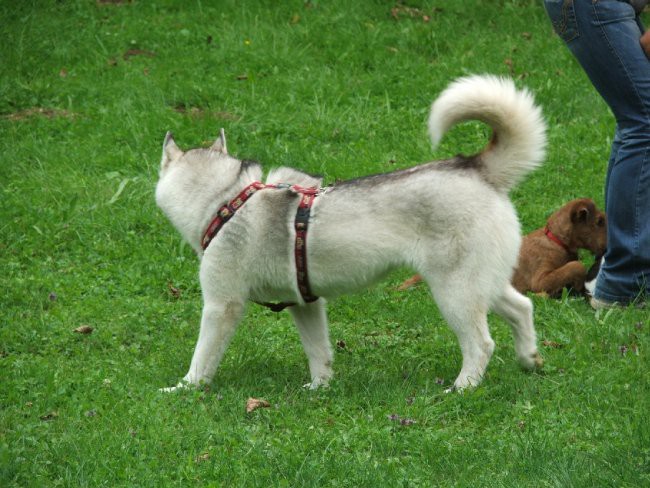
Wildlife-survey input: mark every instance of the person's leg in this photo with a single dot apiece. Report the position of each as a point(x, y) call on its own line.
point(613, 157)
point(604, 37)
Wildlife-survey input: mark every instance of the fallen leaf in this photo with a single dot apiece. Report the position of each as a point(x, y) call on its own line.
point(63, 73)
point(527, 35)
point(411, 12)
point(340, 344)
point(242, 77)
point(49, 416)
point(84, 329)
point(255, 403)
point(91, 413)
point(553, 344)
point(402, 421)
point(138, 52)
point(202, 457)
point(175, 292)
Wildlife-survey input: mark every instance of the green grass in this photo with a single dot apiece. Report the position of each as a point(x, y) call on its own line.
point(336, 88)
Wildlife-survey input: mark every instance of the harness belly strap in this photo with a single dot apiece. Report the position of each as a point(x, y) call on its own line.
point(300, 251)
point(301, 224)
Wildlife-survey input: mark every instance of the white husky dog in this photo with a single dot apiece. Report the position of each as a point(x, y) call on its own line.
point(451, 221)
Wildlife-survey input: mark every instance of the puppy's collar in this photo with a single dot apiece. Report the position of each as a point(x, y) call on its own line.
point(556, 239)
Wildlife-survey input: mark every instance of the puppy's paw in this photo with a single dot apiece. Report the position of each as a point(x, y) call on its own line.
point(590, 286)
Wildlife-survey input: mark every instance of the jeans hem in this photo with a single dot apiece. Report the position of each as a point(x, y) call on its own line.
point(640, 297)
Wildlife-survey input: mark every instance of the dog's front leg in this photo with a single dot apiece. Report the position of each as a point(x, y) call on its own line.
point(218, 324)
point(311, 320)
point(572, 274)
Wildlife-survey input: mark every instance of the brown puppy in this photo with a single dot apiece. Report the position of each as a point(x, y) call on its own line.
point(548, 257)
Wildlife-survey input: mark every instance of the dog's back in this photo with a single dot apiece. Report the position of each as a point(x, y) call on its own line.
point(440, 216)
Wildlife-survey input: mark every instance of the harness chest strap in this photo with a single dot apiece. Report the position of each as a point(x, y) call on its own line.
point(225, 213)
point(301, 225)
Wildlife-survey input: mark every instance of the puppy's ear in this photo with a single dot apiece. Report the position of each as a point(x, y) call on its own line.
point(580, 214)
point(220, 144)
point(170, 150)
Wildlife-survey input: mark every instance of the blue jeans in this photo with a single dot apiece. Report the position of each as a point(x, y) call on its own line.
point(603, 35)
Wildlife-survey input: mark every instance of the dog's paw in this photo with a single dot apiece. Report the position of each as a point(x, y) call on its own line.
point(532, 361)
point(317, 383)
point(538, 360)
point(182, 385)
point(453, 389)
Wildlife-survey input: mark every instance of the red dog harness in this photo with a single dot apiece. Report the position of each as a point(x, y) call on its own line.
point(301, 224)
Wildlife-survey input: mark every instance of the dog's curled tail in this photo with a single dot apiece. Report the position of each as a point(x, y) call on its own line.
point(519, 132)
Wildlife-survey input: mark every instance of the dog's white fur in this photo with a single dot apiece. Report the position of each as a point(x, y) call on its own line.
point(451, 221)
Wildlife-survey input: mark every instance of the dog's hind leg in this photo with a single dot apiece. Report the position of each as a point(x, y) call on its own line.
point(311, 320)
point(218, 324)
point(467, 317)
point(518, 311)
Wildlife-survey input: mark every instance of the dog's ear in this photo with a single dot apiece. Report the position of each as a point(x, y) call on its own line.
point(170, 150)
point(220, 144)
point(580, 214)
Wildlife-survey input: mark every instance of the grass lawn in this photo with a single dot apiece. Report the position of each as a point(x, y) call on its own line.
point(87, 91)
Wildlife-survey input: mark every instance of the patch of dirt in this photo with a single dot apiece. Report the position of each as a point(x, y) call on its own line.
point(48, 113)
point(198, 112)
point(138, 52)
